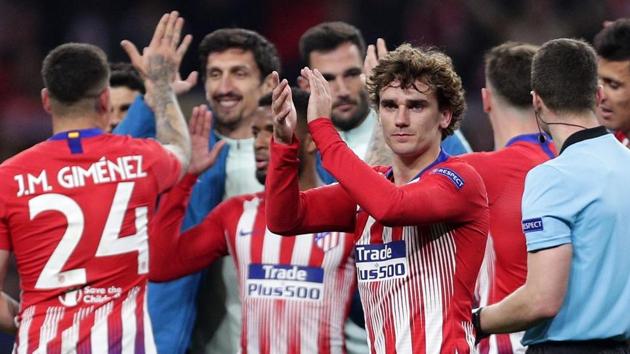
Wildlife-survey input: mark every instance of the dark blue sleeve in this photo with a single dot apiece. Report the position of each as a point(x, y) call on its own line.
point(209, 189)
point(139, 121)
point(324, 175)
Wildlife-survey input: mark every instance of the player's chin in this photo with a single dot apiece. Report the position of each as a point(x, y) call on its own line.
point(405, 150)
point(227, 117)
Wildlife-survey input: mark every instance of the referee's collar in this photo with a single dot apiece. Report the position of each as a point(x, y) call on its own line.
point(584, 135)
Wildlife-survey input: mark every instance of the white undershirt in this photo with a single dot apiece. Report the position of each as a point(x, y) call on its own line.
point(240, 169)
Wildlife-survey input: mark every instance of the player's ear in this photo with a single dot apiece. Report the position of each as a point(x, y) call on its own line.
point(103, 102)
point(46, 100)
point(445, 118)
point(537, 102)
point(486, 99)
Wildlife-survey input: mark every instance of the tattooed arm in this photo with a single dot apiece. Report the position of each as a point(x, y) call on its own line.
point(159, 65)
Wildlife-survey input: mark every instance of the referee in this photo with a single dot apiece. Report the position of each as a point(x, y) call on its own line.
point(576, 220)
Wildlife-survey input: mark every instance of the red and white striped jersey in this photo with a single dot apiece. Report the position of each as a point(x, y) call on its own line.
point(295, 291)
point(74, 210)
point(505, 263)
point(623, 138)
point(418, 246)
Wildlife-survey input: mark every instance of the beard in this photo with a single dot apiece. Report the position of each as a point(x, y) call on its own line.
point(261, 176)
point(348, 123)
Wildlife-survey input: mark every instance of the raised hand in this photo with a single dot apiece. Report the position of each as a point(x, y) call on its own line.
point(320, 100)
point(159, 64)
point(199, 126)
point(167, 33)
point(283, 109)
point(373, 55)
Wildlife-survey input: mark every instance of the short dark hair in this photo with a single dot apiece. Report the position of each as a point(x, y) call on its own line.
point(509, 71)
point(124, 74)
point(408, 64)
point(327, 36)
point(265, 53)
point(564, 75)
point(74, 71)
point(613, 41)
point(300, 100)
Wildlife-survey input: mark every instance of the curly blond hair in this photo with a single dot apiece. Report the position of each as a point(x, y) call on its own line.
point(408, 64)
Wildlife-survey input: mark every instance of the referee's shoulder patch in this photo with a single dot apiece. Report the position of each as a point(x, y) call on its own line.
point(531, 225)
point(451, 175)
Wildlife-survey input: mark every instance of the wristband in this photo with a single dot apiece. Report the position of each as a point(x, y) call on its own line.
point(476, 321)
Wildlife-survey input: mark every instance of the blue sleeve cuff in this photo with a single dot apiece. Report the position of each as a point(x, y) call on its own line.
point(547, 242)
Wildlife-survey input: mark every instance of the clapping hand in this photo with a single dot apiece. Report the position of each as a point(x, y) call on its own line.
point(283, 109)
point(320, 100)
point(199, 126)
point(373, 55)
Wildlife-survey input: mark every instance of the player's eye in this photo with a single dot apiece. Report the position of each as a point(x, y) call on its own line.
point(214, 74)
point(352, 73)
point(329, 77)
point(389, 105)
point(416, 106)
point(241, 73)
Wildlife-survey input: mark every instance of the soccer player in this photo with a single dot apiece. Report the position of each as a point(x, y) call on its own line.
point(508, 103)
point(295, 291)
point(125, 85)
point(236, 66)
point(337, 50)
point(612, 44)
point(575, 219)
point(74, 209)
point(420, 225)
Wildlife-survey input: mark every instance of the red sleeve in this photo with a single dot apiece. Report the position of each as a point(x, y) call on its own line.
point(165, 167)
point(291, 212)
point(174, 255)
point(448, 192)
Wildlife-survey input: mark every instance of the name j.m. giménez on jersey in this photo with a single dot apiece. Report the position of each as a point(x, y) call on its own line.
point(123, 168)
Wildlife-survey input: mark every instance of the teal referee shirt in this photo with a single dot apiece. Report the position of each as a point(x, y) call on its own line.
point(582, 197)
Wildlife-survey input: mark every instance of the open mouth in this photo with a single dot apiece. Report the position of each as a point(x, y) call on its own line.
point(227, 102)
point(261, 162)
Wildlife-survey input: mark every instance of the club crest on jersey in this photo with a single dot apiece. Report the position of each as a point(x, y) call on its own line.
point(326, 240)
point(451, 175)
point(378, 262)
point(285, 282)
point(531, 225)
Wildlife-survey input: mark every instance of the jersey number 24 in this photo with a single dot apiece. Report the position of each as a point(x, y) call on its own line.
point(110, 243)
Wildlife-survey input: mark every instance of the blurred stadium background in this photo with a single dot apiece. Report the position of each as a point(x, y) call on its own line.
point(464, 29)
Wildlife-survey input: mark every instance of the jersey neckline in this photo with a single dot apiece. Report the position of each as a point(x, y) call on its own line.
point(442, 156)
point(77, 133)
